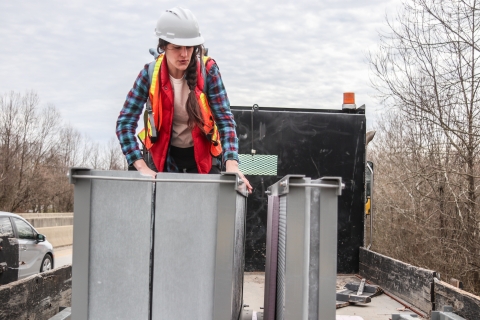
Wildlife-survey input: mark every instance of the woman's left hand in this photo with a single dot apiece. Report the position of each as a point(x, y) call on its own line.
point(232, 166)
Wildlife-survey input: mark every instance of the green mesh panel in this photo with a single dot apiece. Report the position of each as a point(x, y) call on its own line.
point(259, 164)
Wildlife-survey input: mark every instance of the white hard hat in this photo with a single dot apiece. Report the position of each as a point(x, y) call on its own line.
point(179, 26)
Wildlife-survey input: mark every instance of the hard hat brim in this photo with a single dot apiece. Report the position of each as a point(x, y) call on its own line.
point(190, 42)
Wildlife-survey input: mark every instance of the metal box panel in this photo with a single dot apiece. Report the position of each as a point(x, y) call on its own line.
point(173, 249)
point(306, 249)
point(185, 246)
point(112, 231)
point(199, 249)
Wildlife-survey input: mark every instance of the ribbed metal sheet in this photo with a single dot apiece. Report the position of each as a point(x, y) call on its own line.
point(258, 164)
point(271, 258)
point(282, 240)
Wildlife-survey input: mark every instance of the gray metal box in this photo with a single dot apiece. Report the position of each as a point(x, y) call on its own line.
point(300, 270)
point(169, 248)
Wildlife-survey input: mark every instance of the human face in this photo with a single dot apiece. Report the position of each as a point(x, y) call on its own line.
point(178, 59)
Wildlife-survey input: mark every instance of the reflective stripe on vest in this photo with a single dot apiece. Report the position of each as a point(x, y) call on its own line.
point(209, 128)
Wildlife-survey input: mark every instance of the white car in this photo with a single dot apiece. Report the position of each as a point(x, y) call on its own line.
point(23, 251)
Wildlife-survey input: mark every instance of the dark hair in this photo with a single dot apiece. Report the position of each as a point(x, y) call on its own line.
point(192, 107)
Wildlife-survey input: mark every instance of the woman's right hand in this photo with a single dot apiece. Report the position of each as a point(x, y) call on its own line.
point(144, 170)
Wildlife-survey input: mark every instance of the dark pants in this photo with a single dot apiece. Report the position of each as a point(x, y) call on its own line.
point(184, 159)
point(214, 170)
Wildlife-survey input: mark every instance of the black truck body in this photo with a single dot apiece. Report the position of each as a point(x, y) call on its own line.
point(311, 142)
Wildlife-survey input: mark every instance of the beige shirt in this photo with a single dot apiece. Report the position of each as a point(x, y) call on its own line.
point(181, 133)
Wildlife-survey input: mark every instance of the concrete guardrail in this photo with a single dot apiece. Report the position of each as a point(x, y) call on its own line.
point(58, 236)
point(51, 222)
point(57, 227)
point(29, 215)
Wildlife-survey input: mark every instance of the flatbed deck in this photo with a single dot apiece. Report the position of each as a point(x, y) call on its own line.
point(381, 306)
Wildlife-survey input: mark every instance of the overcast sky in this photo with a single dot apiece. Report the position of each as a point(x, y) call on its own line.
point(83, 56)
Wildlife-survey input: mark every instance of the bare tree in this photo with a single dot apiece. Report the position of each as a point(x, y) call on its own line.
point(426, 71)
point(9, 106)
point(36, 151)
point(114, 159)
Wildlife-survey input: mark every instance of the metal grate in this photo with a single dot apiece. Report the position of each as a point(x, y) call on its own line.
point(258, 164)
point(282, 239)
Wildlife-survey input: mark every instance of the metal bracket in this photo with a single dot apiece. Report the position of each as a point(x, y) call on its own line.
point(446, 314)
point(404, 317)
point(356, 292)
point(360, 287)
point(240, 186)
point(367, 288)
point(338, 182)
point(283, 185)
point(73, 171)
point(352, 298)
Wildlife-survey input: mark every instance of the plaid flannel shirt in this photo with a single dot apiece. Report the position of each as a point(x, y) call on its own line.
point(137, 97)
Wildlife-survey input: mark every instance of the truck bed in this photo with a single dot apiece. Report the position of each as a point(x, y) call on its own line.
point(381, 307)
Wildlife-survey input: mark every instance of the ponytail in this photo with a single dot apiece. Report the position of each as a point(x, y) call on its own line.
point(193, 109)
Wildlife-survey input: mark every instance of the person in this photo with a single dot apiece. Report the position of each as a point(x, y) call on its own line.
point(192, 123)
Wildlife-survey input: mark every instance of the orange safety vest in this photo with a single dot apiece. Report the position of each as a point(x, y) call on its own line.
point(161, 99)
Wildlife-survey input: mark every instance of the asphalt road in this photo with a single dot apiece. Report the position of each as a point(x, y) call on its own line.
point(62, 256)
